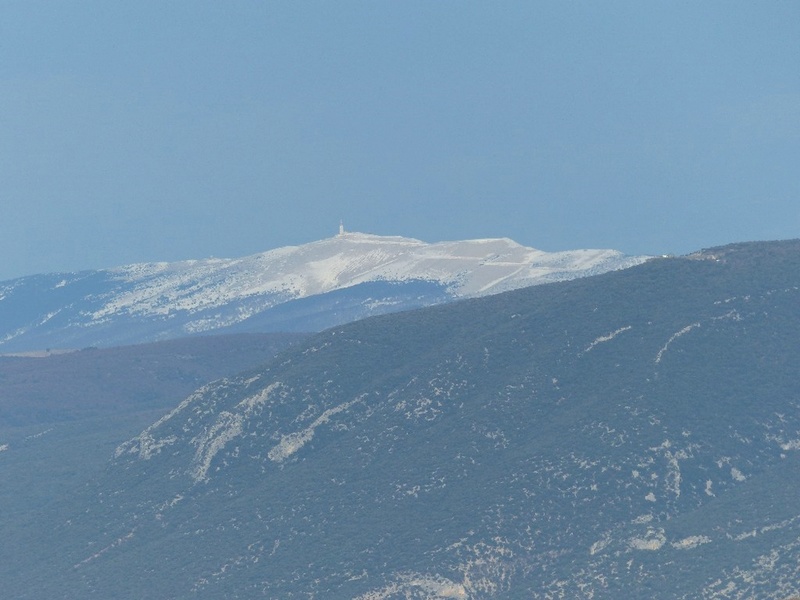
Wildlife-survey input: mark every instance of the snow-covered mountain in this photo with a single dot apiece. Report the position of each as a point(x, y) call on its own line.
point(308, 287)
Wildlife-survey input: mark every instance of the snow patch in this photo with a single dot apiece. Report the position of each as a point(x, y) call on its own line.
point(116, 543)
point(38, 435)
point(410, 585)
point(145, 445)
point(674, 336)
point(291, 443)
point(653, 540)
point(691, 542)
point(606, 338)
point(673, 478)
point(600, 545)
point(791, 445)
point(227, 426)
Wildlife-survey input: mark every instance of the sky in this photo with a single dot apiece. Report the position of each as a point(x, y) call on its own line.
point(160, 131)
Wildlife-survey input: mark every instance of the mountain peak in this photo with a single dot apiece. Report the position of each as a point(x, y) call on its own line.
point(151, 301)
point(362, 237)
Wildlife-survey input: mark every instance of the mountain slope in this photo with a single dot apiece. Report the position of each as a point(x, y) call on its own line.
point(43, 391)
point(61, 416)
point(629, 435)
point(296, 288)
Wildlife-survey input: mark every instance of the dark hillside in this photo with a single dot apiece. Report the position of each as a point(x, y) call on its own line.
point(96, 382)
point(61, 416)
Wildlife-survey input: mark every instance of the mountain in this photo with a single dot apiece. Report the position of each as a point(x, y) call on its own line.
point(630, 435)
point(298, 288)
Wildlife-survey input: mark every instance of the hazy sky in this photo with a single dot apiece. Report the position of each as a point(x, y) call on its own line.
point(151, 130)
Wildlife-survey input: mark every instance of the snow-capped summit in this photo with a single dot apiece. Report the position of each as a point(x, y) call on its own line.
point(306, 287)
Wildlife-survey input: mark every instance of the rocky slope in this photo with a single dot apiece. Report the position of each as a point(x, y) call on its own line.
point(631, 435)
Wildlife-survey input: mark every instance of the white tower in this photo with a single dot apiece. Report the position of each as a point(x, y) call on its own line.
point(341, 227)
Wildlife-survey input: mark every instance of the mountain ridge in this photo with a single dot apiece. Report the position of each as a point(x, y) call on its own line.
point(338, 279)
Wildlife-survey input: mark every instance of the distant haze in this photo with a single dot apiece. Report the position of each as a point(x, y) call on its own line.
point(146, 131)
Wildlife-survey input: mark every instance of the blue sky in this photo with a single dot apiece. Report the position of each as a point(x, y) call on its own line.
point(141, 131)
